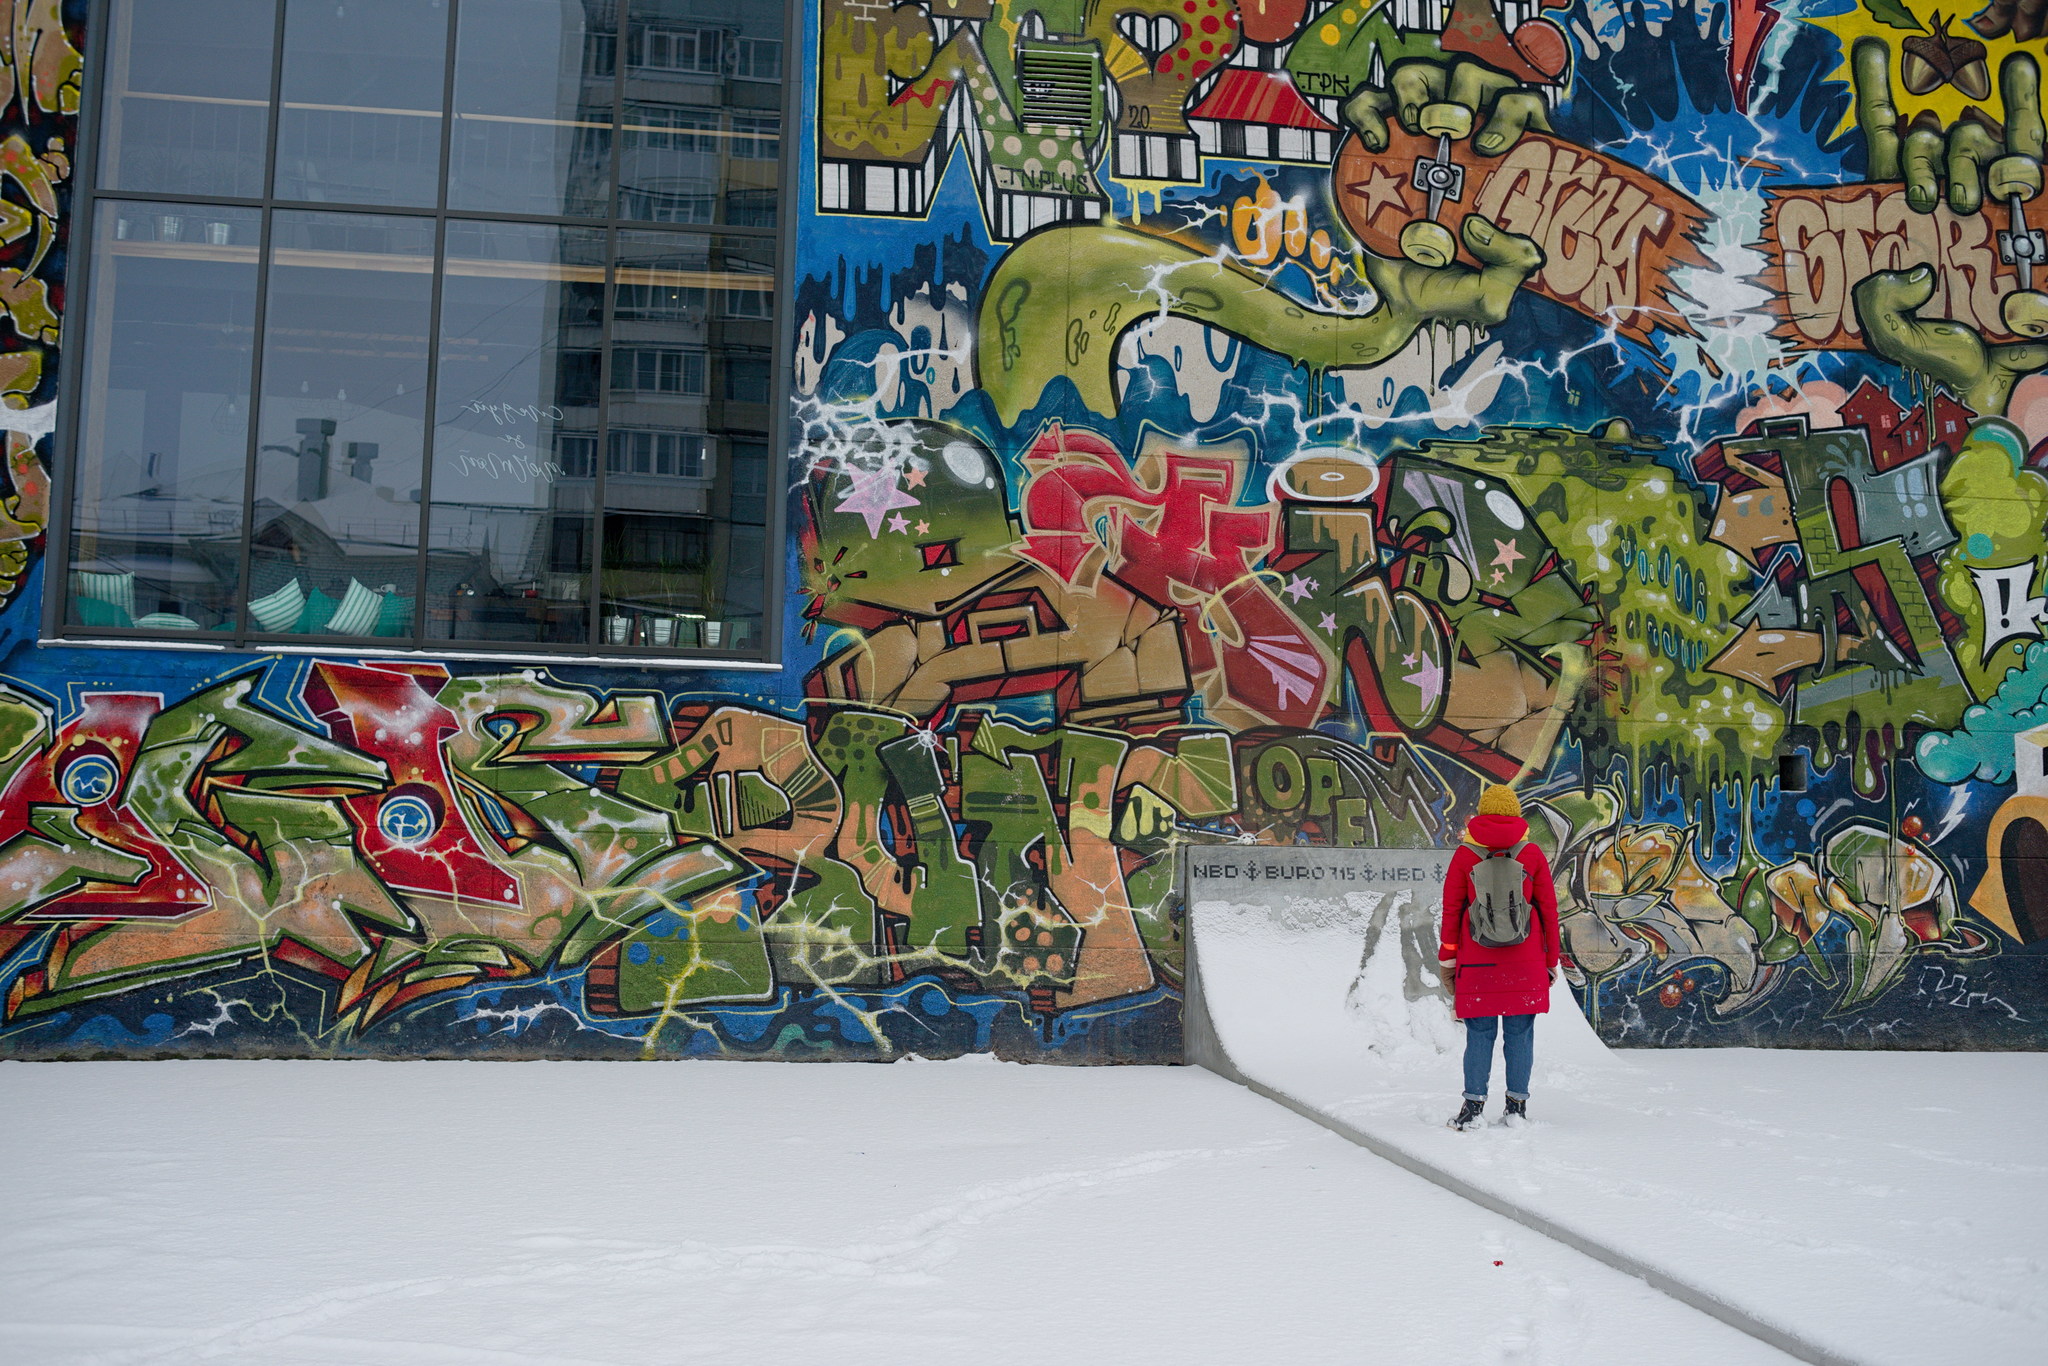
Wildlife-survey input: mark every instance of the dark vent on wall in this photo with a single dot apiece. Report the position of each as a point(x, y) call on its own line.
point(1058, 85)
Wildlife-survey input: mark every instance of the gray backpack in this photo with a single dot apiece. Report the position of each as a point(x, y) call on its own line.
point(1498, 913)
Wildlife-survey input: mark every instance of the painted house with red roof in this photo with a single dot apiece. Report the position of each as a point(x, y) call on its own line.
point(1260, 116)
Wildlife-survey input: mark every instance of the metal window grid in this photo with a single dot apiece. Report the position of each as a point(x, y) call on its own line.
point(82, 241)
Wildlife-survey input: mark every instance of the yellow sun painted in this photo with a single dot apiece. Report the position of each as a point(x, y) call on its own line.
point(1947, 102)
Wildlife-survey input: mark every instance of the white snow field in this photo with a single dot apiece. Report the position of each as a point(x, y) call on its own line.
point(572, 1214)
point(1885, 1207)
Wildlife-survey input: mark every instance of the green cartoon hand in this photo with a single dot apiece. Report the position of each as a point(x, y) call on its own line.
point(1413, 294)
point(1981, 373)
point(1974, 157)
point(1974, 163)
point(1426, 97)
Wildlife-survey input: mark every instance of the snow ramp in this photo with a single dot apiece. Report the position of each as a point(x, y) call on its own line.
point(1312, 980)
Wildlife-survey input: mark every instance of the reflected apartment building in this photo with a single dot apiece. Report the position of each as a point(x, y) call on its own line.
point(419, 328)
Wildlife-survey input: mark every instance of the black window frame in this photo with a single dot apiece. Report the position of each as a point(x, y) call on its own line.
point(87, 197)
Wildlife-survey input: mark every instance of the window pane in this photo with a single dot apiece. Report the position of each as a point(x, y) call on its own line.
point(170, 332)
point(533, 102)
point(188, 96)
point(362, 90)
point(702, 124)
point(750, 482)
point(341, 431)
point(746, 381)
point(514, 413)
point(675, 451)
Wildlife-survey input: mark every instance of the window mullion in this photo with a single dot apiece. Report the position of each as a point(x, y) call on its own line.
point(257, 340)
point(621, 39)
point(429, 425)
point(601, 459)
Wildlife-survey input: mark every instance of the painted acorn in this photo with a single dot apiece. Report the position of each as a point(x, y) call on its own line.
point(1973, 78)
point(1932, 60)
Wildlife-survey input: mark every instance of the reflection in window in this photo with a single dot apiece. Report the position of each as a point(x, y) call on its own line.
point(657, 370)
point(694, 202)
point(751, 208)
point(703, 127)
point(576, 453)
point(519, 303)
point(361, 115)
point(278, 443)
point(666, 128)
point(668, 454)
point(750, 481)
point(757, 59)
point(757, 137)
point(533, 117)
point(159, 489)
point(188, 95)
point(746, 379)
point(646, 301)
point(694, 51)
point(334, 535)
point(664, 467)
point(751, 300)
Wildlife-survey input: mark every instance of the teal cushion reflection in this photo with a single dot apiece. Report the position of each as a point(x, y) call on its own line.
point(394, 617)
point(315, 615)
point(97, 612)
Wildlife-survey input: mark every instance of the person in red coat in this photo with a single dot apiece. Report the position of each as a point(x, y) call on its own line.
point(1496, 984)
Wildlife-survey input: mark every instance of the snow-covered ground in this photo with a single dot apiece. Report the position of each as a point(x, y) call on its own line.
point(568, 1214)
point(1888, 1207)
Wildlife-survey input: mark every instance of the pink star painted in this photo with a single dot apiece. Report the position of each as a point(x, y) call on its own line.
point(1299, 587)
point(914, 479)
point(873, 495)
point(923, 527)
point(1327, 622)
point(1428, 680)
point(1510, 551)
point(898, 522)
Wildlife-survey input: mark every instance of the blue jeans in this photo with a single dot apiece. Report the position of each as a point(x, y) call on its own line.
point(1519, 1047)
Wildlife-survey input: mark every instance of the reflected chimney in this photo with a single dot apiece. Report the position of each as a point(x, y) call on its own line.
point(313, 434)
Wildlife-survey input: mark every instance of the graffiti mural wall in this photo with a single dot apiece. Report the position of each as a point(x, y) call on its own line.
point(1215, 421)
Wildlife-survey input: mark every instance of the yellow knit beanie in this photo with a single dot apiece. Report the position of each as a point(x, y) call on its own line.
point(1499, 800)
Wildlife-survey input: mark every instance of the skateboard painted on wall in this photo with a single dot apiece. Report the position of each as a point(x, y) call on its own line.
point(1611, 234)
point(1819, 240)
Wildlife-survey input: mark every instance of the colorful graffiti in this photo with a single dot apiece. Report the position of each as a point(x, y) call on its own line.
point(39, 94)
point(1632, 404)
point(1214, 421)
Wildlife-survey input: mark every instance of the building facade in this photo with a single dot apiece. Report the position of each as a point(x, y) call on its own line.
point(660, 528)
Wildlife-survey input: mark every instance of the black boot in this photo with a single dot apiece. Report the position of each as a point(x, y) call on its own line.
point(1468, 1114)
point(1518, 1108)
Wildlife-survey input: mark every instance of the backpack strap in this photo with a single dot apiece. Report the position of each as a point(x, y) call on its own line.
point(1516, 852)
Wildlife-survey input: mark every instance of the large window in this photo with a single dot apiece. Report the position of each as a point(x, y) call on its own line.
point(439, 324)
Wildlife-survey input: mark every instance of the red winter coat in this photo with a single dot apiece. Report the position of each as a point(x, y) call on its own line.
point(1514, 980)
